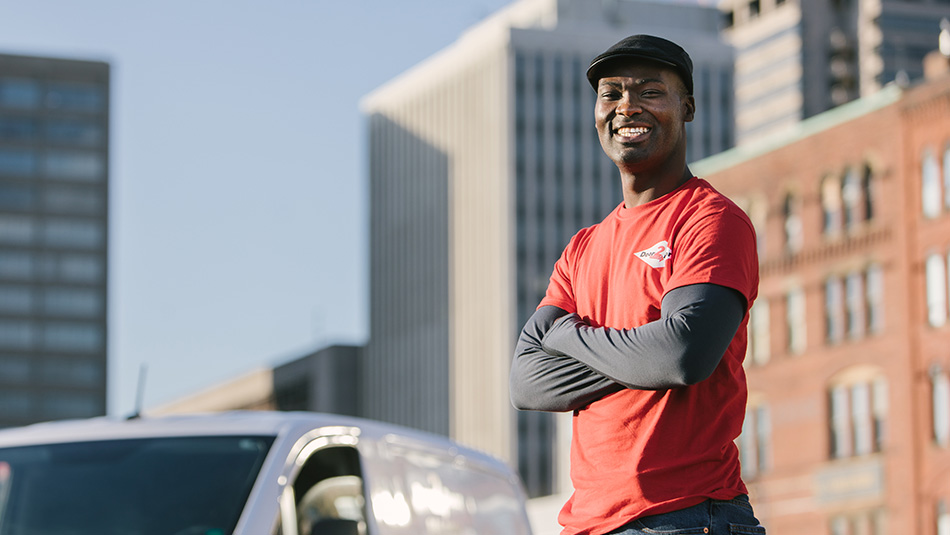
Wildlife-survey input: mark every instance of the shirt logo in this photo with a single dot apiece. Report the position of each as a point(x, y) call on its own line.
point(657, 255)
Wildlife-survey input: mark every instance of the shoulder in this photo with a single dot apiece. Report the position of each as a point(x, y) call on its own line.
point(706, 201)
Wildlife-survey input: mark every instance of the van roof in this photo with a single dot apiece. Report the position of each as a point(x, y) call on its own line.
point(288, 425)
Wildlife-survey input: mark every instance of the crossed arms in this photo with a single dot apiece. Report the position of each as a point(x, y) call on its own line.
point(562, 364)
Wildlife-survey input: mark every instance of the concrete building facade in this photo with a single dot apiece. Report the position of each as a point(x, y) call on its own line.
point(54, 240)
point(798, 58)
point(848, 423)
point(483, 161)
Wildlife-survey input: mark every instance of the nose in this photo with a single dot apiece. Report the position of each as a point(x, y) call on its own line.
point(628, 105)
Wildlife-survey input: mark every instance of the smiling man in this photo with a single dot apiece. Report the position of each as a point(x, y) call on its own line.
point(642, 331)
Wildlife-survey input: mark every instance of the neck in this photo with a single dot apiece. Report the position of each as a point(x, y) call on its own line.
point(640, 188)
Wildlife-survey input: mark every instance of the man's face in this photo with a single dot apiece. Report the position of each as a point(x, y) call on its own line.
point(640, 114)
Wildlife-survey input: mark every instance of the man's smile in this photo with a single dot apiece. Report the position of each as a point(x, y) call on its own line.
point(631, 133)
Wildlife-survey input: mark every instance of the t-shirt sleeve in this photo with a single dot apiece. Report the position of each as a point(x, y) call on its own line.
point(718, 248)
point(560, 292)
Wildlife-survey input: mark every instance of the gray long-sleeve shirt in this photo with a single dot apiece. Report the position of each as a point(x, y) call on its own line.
point(561, 363)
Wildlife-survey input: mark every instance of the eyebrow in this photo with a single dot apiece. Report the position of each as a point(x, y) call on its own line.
point(641, 81)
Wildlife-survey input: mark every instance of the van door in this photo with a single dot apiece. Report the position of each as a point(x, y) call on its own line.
point(325, 494)
point(416, 488)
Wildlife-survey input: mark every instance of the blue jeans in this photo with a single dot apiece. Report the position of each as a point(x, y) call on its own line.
point(712, 517)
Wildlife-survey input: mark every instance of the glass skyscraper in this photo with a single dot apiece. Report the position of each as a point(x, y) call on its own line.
point(54, 206)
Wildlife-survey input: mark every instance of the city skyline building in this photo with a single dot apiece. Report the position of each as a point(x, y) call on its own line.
point(483, 161)
point(798, 58)
point(54, 243)
point(848, 422)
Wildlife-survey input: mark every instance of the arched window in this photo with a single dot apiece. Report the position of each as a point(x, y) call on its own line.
point(858, 402)
point(932, 197)
point(851, 199)
point(946, 176)
point(791, 213)
point(755, 441)
point(855, 304)
point(936, 281)
point(867, 189)
point(874, 286)
point(940, 399)
point(831, 206)
point(759, 348)
point(795, 316)
point(834, 309)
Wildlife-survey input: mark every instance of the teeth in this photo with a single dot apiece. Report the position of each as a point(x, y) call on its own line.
point(632, 131)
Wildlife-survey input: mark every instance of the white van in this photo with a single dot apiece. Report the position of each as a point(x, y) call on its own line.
point(250, 473)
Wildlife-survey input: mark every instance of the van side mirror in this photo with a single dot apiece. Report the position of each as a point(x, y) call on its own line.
point(335, 526)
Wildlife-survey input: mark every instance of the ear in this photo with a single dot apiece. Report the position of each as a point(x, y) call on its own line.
point(690, 108)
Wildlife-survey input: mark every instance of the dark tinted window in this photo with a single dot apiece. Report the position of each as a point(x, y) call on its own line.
point(156, 486)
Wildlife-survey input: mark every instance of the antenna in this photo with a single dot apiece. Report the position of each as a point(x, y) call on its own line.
point(140, 392)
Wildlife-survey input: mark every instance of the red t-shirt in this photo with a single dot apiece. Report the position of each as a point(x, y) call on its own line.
point(637, 452)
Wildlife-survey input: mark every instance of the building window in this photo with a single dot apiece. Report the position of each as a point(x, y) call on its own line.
point(74, 233)
point(858, 410)
point(943, 519)
point(757, 210)
point(73, 302)
point(755, 441)
point(79, 132)
point(759, 335)
point(15, 334)
point(831, 206)
point(75, 97)
point(795, 317)
point(930, 185)
point(82, 337)
point(834, 310)
point(18, 162)
point(61, 405)
point(16, 299)
point(79, 268)
point(867, 187)
point(851, 193)
point(855, 304)
point(791, 210)
point(936, 280)
point(19, 93)
point(15, 265)
point(946, 177)
point(940, 399)
point(859, 523)
point(875, 297)
point(18, 230)
point(74, 165)
point(73, 200)
point(16, 197)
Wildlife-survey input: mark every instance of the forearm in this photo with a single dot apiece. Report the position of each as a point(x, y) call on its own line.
point(544, 382)
point(683, 347)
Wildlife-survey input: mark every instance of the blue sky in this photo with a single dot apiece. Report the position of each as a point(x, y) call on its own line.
point(238, 230)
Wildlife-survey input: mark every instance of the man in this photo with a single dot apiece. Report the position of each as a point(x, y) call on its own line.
point(642, 331)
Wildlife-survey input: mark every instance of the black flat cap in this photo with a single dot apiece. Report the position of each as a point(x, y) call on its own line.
point(645, 47)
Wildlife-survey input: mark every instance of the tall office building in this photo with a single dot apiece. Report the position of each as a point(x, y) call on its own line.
point(483, 161)
point(54, 185)
point(798, 58)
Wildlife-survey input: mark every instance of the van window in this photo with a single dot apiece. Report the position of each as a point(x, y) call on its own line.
point(154, 486)
point(328, 493)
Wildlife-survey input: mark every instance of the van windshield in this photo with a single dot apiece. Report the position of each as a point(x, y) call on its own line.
point(152, 486)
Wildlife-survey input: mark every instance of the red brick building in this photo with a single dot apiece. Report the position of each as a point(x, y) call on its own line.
point(848, 428)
